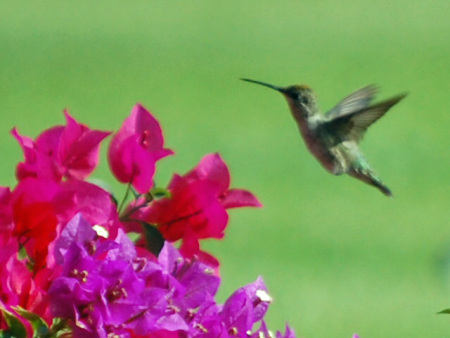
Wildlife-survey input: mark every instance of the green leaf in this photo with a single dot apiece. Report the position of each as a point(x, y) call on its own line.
point(22, 252)
point(154, 240)
point(16, 328)
point(446, 311)
point(59, 328)
point(133, 236)
point(39, 326)
point(159, 193)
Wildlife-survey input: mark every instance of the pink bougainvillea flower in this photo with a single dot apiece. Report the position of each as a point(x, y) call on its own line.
point(21, 287)
point(14, 275)
point(36, 228)
point(69, 151)
point(212, 168)
point(190, 247)
point(135, 149)
point(92, 201)
point(34, 217)
point(197, 206)
point(79, 148)
point(6, 218)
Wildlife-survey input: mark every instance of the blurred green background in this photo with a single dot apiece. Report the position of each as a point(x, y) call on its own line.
point(337, 255)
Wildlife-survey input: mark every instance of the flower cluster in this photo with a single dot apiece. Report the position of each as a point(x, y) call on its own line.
point(74, 261)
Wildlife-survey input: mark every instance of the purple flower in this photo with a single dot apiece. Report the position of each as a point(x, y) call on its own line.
point(207, 322)
point(99, 288)
point(104, 287)
point(245, 307)
point(289, 333)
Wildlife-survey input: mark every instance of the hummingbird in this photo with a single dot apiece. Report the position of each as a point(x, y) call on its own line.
point(333, 138)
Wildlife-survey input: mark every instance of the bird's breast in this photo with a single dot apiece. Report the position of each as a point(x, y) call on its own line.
point(317, 144)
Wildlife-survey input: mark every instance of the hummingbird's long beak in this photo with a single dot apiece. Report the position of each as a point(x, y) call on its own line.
point(280, 89)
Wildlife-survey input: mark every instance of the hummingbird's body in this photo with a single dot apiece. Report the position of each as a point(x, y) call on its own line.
point(333, 137)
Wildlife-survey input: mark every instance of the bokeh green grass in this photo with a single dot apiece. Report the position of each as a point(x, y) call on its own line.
point(338, 256)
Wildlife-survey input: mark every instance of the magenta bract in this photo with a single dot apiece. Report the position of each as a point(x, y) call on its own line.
point(69, 151)
point(135, 149)
point(197, 206)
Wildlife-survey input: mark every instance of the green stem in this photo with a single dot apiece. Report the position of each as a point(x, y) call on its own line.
point(125, 197)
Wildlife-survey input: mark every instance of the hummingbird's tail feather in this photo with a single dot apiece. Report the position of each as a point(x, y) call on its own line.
point(369, 177)
point(383, 188)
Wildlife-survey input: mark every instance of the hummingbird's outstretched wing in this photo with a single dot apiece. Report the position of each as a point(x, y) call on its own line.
point(354, 102)
point(352, 126)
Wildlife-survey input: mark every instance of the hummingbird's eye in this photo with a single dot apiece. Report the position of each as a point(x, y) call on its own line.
point(305, 100)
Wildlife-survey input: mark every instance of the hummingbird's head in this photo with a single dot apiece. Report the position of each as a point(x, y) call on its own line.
point(301, 98)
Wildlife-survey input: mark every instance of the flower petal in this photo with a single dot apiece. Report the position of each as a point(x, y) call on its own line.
point(235, 198)
point(135, 148)
point(211, 167)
